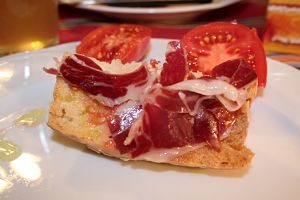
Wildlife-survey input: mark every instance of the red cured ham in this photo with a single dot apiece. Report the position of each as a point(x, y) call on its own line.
point(170, 99)
point(121, 122)
point(174, 69)
point(166, 129)
point(176, 110)
point(238, 71)
point(174, 126)
point(89, 76)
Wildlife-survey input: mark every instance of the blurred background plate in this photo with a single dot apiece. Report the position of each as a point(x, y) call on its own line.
point(168, 12)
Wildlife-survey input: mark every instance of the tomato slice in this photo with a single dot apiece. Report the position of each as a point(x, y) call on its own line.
point(126, 42)
point(212, 44)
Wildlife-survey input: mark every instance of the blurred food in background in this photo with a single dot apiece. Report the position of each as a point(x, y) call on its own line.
point(27, 25)
point(283, 26)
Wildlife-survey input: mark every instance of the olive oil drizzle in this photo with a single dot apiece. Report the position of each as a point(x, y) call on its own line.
point(9, 151)
point(33, 117)
point(30, 118)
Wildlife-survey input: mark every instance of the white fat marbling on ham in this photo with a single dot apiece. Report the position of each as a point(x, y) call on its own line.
point(126, 107)
point(135, 130)
point(117, 67)
point(166, 155)
point(182, 96)
point(192, 111)
point(207, 87)
point(233, 105)
point(82, 63)
point(134, 93)
point(232, 98)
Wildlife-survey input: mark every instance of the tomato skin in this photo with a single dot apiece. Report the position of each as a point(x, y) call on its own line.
point(211, 44)
point(126, 42)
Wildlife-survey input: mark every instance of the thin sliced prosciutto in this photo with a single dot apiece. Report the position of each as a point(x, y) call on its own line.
point(87, 74)
point(174, 69)
point(237, 71)
point(121, 122)
point(174, 125)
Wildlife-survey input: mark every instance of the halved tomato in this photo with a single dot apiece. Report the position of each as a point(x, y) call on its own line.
point(212, 44)
point(126, 42)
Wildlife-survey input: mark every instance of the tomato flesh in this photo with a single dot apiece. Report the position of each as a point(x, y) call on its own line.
point(212, 44)
point(126, 42)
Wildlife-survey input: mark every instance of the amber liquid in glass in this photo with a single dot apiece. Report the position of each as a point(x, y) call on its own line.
point(27, 25)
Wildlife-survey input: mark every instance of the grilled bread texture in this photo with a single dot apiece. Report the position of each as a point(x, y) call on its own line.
point(77, 116)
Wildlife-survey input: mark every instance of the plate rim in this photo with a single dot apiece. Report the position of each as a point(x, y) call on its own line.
point(160, 10)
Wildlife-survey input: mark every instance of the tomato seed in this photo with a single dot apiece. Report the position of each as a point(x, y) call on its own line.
point(206, 39)
point(228, 37)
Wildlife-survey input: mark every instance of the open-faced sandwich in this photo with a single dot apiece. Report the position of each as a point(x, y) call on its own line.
point(190, 110)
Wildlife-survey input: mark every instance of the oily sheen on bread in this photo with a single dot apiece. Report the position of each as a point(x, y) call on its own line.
point(73, 113)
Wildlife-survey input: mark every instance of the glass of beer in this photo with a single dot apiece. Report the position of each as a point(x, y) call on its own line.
point(27, 25)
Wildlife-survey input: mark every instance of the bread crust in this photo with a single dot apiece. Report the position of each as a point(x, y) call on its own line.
point(70, 114)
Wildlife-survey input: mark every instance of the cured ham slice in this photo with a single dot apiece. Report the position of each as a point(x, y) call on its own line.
point(121, 123)
point(237, 72)
point(111, 88)
point(174, 69)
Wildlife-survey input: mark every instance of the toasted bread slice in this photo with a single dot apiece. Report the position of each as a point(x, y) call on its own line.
point(73, 114)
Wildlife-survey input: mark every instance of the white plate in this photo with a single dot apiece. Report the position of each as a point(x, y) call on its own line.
point(180, 12)
point(53, 167)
